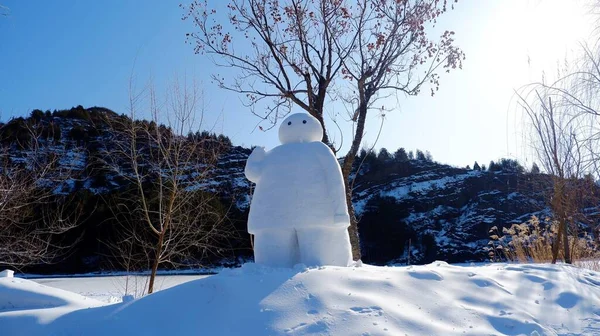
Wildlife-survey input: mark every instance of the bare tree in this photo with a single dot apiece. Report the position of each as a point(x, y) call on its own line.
point(174, 219)
point(559, 152)
point(34, 215)
point(564, 118)
point(309, 53)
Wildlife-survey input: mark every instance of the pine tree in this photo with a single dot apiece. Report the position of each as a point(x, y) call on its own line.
point(428, 156)
point(362, 154)
point(510, 165)
point(384, 155)
point(370, 157)
point(476, 166)
point(37, 115)
point(400, 155)
point(535, 169)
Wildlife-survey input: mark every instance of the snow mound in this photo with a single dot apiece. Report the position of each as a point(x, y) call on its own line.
point(19, 294)
point(434, 299)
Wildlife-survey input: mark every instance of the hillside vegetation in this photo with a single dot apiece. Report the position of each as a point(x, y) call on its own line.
point(411, 208)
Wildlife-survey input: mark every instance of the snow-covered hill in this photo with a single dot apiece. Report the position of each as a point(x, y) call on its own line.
point(410, 209)
point(445, 211)
point(433, 299)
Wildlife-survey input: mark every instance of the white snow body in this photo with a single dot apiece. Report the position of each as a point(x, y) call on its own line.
point(298, 212)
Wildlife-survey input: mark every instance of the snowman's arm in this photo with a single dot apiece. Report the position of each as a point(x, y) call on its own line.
point(253, 170)
point(254, 164)
point(334, 178)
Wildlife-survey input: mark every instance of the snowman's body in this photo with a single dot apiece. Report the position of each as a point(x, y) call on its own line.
point(298, 212)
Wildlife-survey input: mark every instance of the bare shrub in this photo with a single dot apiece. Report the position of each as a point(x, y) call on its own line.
point(533, 240)
point(35, 214)
point(169, 216)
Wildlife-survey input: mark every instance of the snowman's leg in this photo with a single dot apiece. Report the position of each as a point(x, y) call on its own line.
point(324, 246)
point(276, 247)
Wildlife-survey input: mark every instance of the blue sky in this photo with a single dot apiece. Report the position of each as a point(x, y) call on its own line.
point(59, 54)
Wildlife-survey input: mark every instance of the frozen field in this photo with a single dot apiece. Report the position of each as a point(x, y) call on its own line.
point(434, 299)
point(110, 289)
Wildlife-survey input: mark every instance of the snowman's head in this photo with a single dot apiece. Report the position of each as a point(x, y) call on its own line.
point(300, 127)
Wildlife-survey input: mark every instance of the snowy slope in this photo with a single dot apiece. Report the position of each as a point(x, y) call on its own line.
point(434, 299)
point(18, 294)
point(446, 212)
point(110, 289)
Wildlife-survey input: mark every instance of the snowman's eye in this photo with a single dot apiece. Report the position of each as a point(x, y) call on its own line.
point(289, 123)
point(304, 121)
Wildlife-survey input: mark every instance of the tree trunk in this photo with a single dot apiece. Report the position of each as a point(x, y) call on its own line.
point(560, 208)
point(159, 246)
point(556, 206)
point(353, 228)
point(346, 170)
point(556, 246)
point(566, 247)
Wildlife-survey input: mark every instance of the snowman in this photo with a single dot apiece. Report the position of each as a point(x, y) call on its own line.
point(298, 212)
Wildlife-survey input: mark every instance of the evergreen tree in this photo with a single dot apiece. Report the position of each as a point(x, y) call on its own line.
point(476, 166)
point(411, 156)
point(56, 133)
point(224, 140)
point(535, 169)
point(483, 167)
point(362, 154)
point(400, 155)
point(37, 115)
point(510, 165)
point(367, 156)
point(384, 155)
point(371, 157)
point(468, 167)
point(421, 155)
point(428, 156)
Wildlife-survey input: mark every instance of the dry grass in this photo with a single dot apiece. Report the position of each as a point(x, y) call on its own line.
point(531, 242)
point(591, 264)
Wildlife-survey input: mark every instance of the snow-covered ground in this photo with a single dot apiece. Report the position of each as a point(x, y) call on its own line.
point(110, 289)
point(434, 299)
